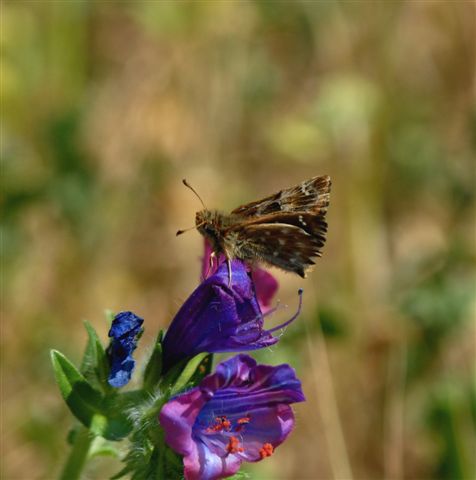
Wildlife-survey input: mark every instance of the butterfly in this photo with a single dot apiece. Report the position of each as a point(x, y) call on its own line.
point(285, 230)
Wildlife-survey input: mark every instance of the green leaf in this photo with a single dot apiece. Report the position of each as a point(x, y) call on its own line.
point(72, 434)
point(105, 416)
point(95, 365)
point(188, 373)
point(240, 475)
point(203, 370)
point(173, 463)
point(117, 408)
point(153, 369)
point(153, 468)
point(109, 316)
point(83, 400)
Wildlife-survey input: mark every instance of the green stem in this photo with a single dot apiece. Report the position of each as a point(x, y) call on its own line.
point(78, 455)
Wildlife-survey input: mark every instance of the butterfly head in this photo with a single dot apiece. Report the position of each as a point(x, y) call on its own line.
point(206, 223)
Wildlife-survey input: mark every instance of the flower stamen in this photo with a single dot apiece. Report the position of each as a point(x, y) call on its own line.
point(266, 451)
point(234, 446)
point(221, 424)
point(285, 324)
point(241, 422)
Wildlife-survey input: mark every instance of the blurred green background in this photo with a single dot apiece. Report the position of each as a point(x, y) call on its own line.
point(108, 105)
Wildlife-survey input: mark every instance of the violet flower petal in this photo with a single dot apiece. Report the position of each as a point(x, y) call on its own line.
point(218, 318)
point(266, 284)
point(266, 287)
point(236, 414)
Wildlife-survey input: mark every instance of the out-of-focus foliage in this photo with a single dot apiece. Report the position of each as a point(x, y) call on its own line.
point(108, 105)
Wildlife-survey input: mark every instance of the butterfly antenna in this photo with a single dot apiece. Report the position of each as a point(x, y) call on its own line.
point(193, 190)
point(179, 232)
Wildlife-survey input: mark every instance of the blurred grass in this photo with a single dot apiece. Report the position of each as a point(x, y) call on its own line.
point(108, 105)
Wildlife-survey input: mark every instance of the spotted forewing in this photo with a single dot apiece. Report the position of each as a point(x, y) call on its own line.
point(286, 229)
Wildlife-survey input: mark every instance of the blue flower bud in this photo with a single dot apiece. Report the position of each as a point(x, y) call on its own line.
point(125, 331)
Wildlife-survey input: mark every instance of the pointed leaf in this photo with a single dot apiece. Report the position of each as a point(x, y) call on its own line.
point(188, 372)
point(109, 314)
point(117, 408)
point(82, 399)
point(153, 369)
point(203, 369)
point(95, 365)
point(173, 463)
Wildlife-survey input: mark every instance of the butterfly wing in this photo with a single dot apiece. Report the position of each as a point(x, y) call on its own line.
point(290, 242)
point(309, 196)
point(313, 223)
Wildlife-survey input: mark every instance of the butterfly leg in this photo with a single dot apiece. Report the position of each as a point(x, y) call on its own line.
point(228, 263)
point(210, 265)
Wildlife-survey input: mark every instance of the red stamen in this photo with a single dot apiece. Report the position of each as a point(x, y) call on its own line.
point(266, 451)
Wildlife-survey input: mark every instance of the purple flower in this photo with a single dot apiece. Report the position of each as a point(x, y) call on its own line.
point(219, 317)
point(265, 284)
point(266, 287)
point(125, 330)
point(240, 413)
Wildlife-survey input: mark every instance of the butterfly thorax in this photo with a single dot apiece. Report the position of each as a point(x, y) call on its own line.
point(210, 224)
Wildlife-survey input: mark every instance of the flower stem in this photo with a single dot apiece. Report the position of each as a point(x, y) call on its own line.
point(78, 455)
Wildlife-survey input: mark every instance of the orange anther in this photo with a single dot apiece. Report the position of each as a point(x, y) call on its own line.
point(221, 423)
point(266, 450)
point(234, 445)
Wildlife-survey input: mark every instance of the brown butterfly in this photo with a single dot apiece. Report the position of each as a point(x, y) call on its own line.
point(286, 230)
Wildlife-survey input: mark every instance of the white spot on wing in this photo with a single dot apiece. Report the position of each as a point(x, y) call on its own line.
point(304, 189)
